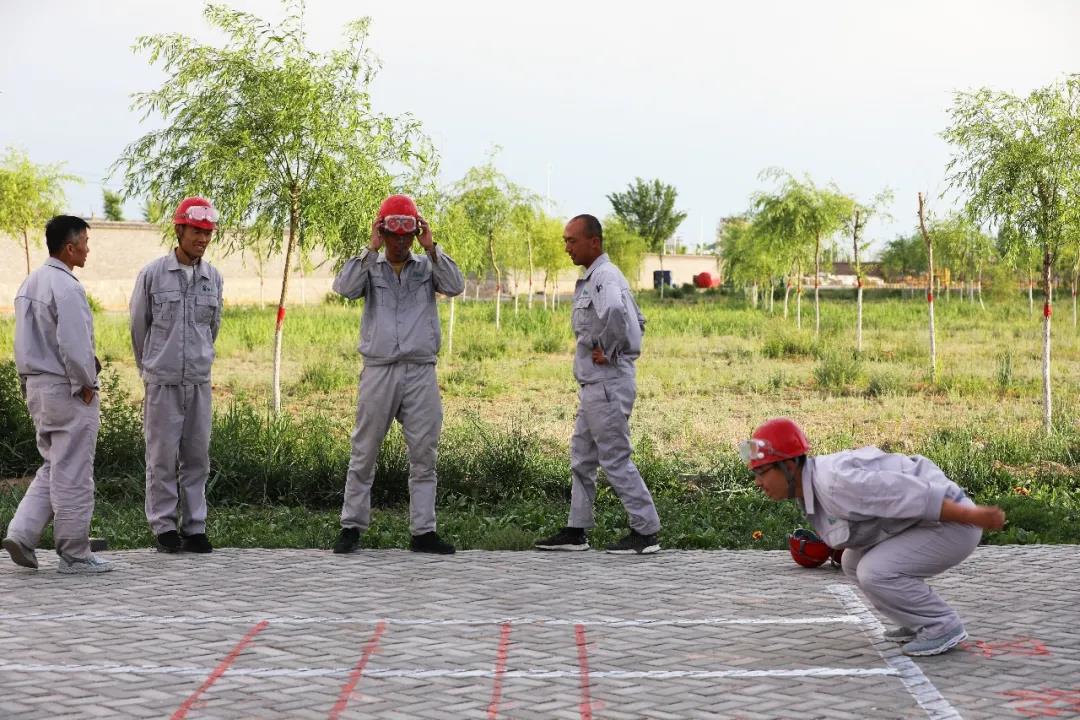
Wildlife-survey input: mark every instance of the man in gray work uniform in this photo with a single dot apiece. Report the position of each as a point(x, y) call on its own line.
point(898, 518)
point(175, 318)
point(399, 341)
point(54, 356)
point(608, 326)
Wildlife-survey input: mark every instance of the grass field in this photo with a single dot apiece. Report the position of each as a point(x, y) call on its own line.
point(712, 368)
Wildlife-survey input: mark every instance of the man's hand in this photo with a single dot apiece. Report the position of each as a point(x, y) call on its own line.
point(87, 395)
point(598, 355)
point(376, 235)
point(988, 517)
point(426, 241)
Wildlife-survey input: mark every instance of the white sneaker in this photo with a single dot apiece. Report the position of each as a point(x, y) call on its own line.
point(90, 566)
point(20, 554)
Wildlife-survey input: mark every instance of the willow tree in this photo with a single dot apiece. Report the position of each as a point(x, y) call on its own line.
point(29, 195)
point(283, 140)
point(799, 216)
point(647, 208)
point(488, 199)
point(860, 216)
point(1018, 160)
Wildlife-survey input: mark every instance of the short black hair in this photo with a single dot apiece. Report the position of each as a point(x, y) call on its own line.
point(593, 228)
point(62, 230)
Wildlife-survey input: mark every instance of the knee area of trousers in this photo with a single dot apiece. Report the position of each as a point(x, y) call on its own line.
point(870, 575)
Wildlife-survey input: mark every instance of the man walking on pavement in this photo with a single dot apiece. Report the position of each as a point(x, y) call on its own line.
point(399, 341)
point(608, 326)
point(175, 318)
point(54, 356)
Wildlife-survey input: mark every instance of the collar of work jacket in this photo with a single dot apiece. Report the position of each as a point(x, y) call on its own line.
point(808, 486)
point(595, 264)
point(174, 264)
point(59, 265)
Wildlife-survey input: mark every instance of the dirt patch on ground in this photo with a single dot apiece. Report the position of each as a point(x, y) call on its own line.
point(19, 482)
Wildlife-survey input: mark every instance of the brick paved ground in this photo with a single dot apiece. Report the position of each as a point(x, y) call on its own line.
point(388, 634)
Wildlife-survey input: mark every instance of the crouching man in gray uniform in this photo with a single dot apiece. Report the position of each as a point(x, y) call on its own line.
point(175, 318)
point(897, 517)
point(608, 326)
point(54, 356)
point(399, 340)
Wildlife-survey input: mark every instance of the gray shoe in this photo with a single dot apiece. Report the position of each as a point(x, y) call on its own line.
point(900, 634)
point(89, 566)
point(20, 554)
point(937, 645)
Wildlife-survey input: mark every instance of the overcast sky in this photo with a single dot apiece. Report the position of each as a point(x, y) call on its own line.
point(583, 96)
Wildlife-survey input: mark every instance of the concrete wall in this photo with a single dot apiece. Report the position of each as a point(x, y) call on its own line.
point(118, 250)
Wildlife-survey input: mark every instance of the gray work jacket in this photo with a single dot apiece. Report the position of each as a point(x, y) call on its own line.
point(857, 498)
point(400, 322)
point(605, 314)
point(54, 329)
point(173, 323)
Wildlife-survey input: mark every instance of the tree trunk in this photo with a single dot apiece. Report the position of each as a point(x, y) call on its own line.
point(476, 295)
point(26, 249)
point(981, 305)
point(498, 279)
point(279, 327)
point(450, 330)
point(1074, 297)
point(817, 282)
point(754, 295)
point(929, 286)
point(1048, 292)
point(798, 295)
point(1031, 296)
point(787, 294)
point(529, 303)
point(662, 271)
point(772, 297)
point(858, 283)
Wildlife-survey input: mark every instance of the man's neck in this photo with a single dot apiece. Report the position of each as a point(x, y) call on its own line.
point(183, 258)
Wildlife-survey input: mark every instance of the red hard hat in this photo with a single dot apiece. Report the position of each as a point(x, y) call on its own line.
point(775, 440)
point(207, 220)
point(398, 205)
point(809, 550)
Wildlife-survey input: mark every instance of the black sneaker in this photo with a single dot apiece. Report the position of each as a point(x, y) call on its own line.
point(197, 543)
point(634, 544)
point(347, 541)
point(430, 542)
point(168, 542)
point(569, 538)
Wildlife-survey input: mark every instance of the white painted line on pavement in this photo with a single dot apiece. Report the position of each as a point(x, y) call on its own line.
point(422, 673)
point(298, 620)
point(916, 683)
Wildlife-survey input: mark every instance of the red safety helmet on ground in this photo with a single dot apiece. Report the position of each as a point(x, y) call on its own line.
point(399, 215)
point(810, 551)
point(197, 212)
point(775, 440)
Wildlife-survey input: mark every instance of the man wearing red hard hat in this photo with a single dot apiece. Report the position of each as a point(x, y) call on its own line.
point(399, 341)
point(175, 317)
point(898, 518)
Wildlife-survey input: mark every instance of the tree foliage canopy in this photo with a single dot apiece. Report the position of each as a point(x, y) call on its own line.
point(647, 208)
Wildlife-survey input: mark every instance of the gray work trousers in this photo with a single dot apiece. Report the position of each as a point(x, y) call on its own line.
point(892, 574)
point(409, 393)
point(602, 439)
point(63, 488)
point(176, 424)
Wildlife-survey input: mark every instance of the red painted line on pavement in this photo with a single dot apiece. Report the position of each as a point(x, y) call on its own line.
point(583, 663)
point(358, 671)
point(500, 670)
point(182, 711)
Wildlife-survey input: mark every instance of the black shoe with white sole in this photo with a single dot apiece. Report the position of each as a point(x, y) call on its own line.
point(347, 541)
point(634, 544)
point(569, 539)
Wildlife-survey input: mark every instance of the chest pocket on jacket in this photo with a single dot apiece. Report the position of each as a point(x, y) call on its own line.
point(583, 314)
point(166, 307)
point(205, 309)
